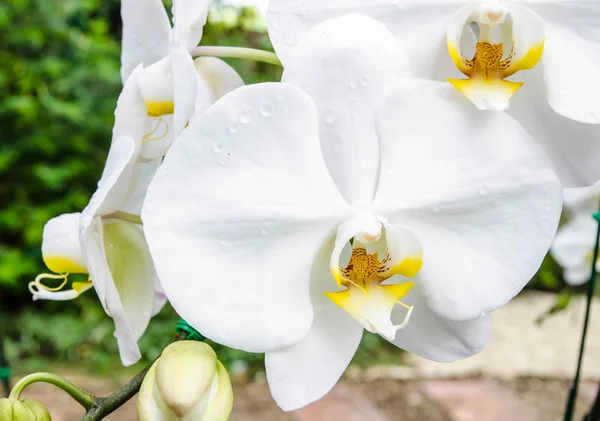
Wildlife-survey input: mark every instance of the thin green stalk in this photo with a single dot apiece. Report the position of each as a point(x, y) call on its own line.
point(238, 52)
point(569, 412)
point(81, 396)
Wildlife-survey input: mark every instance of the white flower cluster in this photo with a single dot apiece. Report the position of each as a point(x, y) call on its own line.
point(404, 177)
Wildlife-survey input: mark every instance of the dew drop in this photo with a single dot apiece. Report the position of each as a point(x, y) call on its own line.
point(218, 149)
point(266, 109)
point(353, 85)
point(233, 128)
point(264, 231)
point(245, 116)
point(483, 313)
point(364, 81)
point(483, 190)
point(56, 241)
point(279, 98)
point(330, 119)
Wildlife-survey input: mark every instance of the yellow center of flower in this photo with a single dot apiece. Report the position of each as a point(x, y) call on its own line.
point(365, 299)
point(486, 86)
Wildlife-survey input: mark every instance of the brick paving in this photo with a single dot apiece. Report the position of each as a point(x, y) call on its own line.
point(477, 400)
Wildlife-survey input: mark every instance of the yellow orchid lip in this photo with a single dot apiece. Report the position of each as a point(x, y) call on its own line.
point(493, 62)
point(365, 298)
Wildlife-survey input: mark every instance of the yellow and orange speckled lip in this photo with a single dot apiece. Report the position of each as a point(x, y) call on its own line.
point(486, 86)
point(364, 298)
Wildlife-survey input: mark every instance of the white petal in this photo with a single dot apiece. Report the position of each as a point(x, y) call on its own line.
point(60, 245)
point(346, 65)
point(146, 35)
point(234, 219)
point(582, 200)
point(143, 174)
point(185, 88)
point(474, 188)
point(189, 20)
point(573, 147)
point(116, 182)
point(305, 372)
point(577, 276)
point(219, 76)
point(132, 271)
point(574, 246)
point(160, 299)
point(433, 337)
point(571, 57)
point(419, 25)
point(124, 280)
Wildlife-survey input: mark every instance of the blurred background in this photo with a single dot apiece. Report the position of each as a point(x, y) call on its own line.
point(59, 81)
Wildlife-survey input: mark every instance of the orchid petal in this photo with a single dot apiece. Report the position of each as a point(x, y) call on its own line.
point(419, 25)
point(189, 18)
point(346, 65)
point(60, 245)
point(573, 148)
point(93, 244)
point(431, 336)
point(234, 253)
point(146, 34)
point(460, 184)
point(571, 59)
point(306, 371)
point(573, 248)
point(219, 76)
point(185, 89)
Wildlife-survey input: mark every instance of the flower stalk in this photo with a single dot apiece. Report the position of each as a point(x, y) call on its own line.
point(238, 52)
point(84, 398)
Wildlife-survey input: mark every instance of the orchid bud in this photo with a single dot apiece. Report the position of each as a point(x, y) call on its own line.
point(25, 410)
point(186, 383)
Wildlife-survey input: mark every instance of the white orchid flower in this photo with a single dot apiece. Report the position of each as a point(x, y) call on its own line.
point(527, 46)
point(573, 247)
point(250, 217)
point(107, 241)
point(173, 85)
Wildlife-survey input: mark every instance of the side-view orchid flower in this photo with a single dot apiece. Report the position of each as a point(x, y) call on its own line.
point(106, 240)
point(491, 50)
point(173, 85)
point(573, 247)
point(291, 216)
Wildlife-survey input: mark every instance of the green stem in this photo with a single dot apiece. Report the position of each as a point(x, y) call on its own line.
point(238, 52)
point(82, 397)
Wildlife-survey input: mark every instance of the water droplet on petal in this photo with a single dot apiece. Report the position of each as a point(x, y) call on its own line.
point(330, 119)
point(233, 128)
point(483, 190)
point(266, 109)
point(353, 85)
point(245, 116)
point(218, 149)
point(364, 81)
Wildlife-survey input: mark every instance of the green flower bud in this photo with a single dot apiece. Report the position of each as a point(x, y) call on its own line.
point(25, 410)
point(187, 383)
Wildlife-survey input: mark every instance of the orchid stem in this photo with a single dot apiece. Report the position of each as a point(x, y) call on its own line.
point(238, 52)
point(81, 396)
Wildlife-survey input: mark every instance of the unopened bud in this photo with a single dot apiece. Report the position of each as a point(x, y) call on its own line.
point(25, 410)
point(186, 383)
